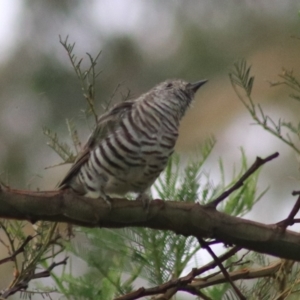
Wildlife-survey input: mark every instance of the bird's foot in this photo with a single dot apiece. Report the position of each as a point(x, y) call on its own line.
point(108, 201)
point(145, 198)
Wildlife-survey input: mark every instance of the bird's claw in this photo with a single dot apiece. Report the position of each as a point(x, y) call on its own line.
point(146, 199)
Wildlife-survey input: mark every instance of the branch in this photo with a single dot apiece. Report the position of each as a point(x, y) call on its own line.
point(242, 274)
point(18, 251)
point(222, 268)
point(290, 220)
point(190, 284)
point(188, 219)
point(175, 284)
point(24, 283)
point(257, 164)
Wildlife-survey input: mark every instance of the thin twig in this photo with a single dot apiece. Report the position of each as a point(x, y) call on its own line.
point(177, 283)
point(289, 221)
point(31, 275)
point(220, 265)
point(257, 164)
point(18, 251)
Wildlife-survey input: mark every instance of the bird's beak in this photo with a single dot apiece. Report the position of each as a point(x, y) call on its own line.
point(196, 85)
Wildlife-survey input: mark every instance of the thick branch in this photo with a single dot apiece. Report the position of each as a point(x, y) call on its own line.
point(188, 219)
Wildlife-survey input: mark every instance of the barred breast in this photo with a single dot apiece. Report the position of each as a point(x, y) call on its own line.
point(131, 144)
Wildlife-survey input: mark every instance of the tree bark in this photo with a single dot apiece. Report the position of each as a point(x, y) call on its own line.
point(188, 219)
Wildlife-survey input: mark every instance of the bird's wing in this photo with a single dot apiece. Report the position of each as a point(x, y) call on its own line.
point(106, 124)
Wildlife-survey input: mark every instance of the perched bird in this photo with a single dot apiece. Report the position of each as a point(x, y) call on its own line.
point(131, 143)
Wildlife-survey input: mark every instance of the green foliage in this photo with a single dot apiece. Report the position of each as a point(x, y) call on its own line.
point(240, 78)
point(139, 253)
point(241, 201)
point(175, 185)
point(61, 148)
point(115, 259)
point(28, 251)
point(289, 79)
point(285, 282)
point(118, 260)
point(87, 77)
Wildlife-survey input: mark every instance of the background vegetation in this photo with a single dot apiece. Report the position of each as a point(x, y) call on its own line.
point(142, 44)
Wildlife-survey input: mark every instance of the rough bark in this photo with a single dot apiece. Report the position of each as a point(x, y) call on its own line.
point(188, 219)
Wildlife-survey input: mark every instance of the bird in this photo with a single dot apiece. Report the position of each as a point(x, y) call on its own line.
point(131, 144)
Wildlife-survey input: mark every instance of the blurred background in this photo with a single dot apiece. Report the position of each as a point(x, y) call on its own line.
point(142, 44)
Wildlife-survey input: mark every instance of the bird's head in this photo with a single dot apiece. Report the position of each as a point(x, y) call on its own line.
point(177, 94)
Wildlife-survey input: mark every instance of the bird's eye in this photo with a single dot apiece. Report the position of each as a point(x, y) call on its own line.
point(169, 85)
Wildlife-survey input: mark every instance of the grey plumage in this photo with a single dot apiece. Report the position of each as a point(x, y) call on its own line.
point(131, 143)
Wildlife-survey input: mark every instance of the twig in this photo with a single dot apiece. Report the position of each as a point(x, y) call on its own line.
point(88, 88)
point(47, 272)
point(177, 283)
point(24, 283)
point(220, 265)
point(243, 273)
point(240, 77)
point(18, 251)
point(257, 164)
point(289, 221)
